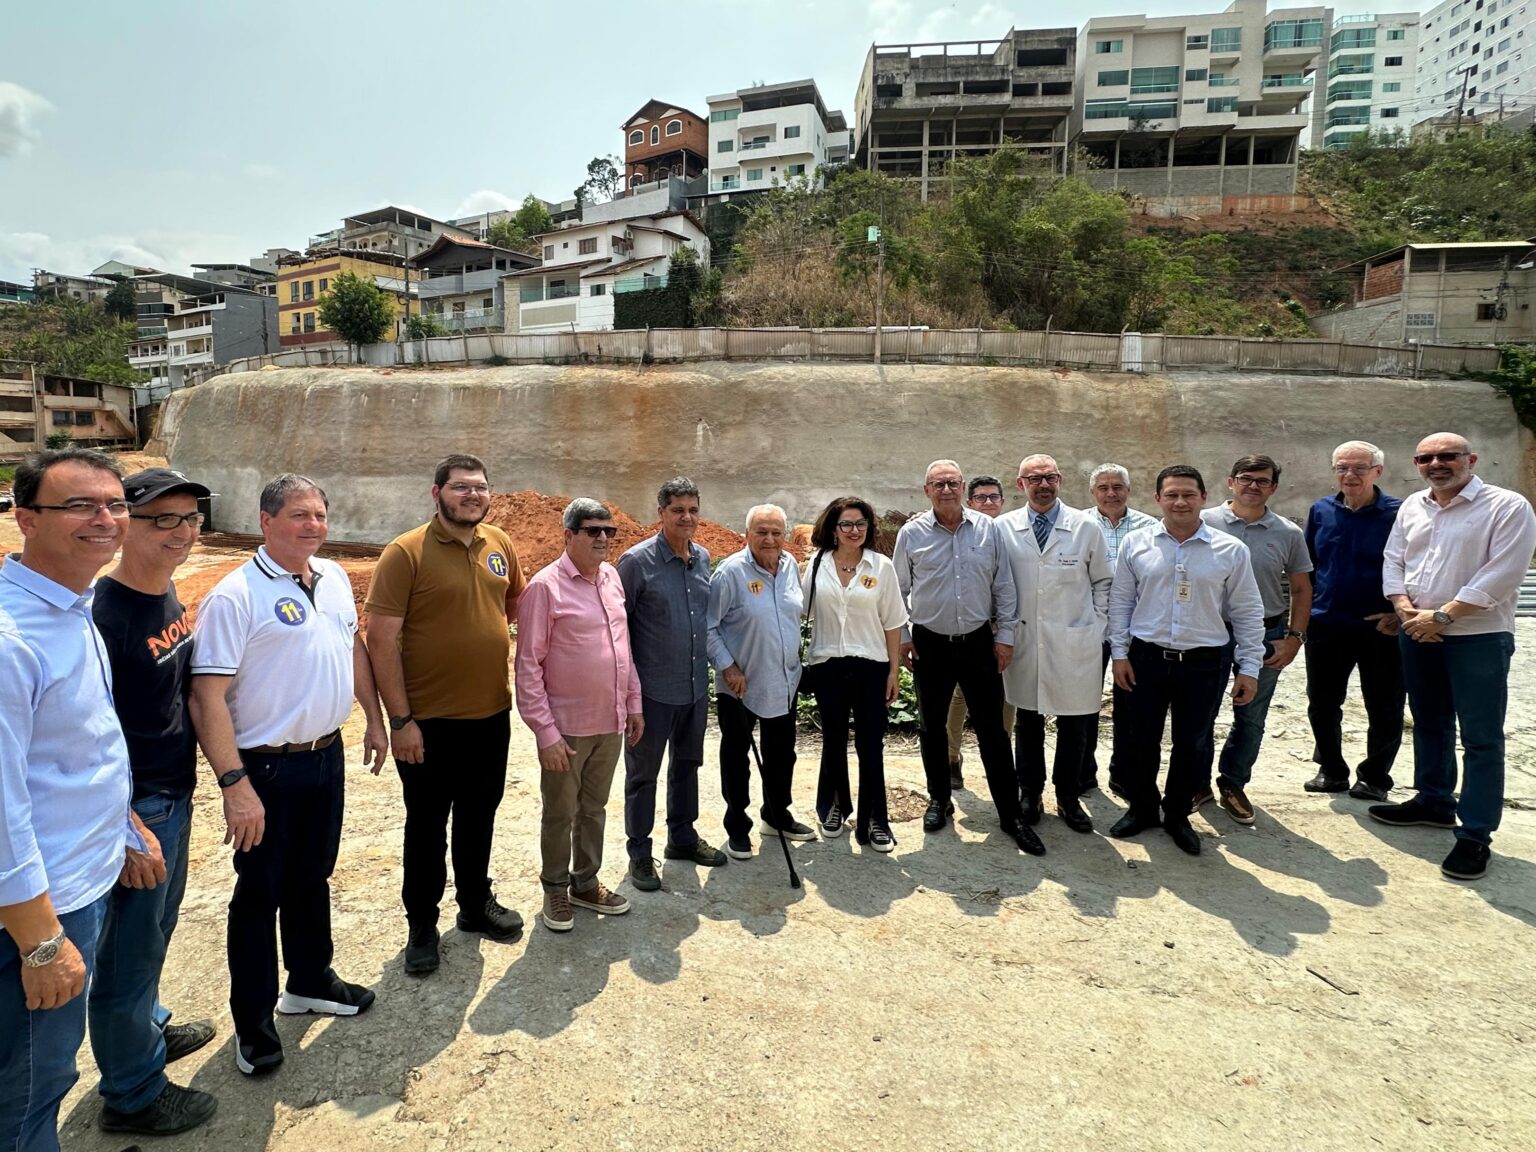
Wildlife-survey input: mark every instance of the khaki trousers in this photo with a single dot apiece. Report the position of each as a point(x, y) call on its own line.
point(576, 811)
point(955, 728)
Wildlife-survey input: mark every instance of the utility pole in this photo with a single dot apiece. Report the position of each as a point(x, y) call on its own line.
point(1461, 100)
point(1498, 296)
point(879, 239)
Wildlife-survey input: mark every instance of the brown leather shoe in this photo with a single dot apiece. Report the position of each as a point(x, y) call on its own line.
point(1201, 797)
point(1235, 801)
point(599, 899)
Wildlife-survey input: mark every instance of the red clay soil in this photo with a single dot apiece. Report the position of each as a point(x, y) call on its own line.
point(191, 589)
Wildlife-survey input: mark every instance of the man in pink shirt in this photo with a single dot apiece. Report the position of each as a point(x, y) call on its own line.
point(578, 690)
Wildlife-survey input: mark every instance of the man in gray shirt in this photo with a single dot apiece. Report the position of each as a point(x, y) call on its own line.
point(1281, 564)
point(954, 574)
point(666, 596)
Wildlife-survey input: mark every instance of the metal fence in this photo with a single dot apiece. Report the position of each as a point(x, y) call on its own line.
point(1098, 351)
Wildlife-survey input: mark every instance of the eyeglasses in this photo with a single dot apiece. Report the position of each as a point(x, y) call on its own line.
point(946, 485)
point(169, 521)
point(608, 531)
point(988, 498)
point(85, 509)
point(1043, 478)
point(1353, 469)
point(1439, 457)
point(469, 489)
point(1253, 482)
point(852, 525)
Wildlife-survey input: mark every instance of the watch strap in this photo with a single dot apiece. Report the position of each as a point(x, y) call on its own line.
point(232, 777)
point(398, 722)
point(46, 952)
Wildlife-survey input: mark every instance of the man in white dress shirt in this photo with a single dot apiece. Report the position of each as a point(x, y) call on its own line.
point(1177, 588)
point(1062, 574)
point(1452, 570)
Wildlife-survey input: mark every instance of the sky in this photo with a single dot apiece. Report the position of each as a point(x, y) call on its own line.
point(177, 131)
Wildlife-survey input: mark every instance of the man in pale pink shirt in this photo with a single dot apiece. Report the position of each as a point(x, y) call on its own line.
point(578, 690)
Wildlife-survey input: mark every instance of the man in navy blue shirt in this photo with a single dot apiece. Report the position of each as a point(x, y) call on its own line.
point(1353, 626)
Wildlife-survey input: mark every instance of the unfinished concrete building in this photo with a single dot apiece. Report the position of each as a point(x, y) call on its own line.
point(919, 106)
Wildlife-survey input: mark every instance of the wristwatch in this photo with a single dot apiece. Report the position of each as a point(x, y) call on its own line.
point(233, 776)
point(1442, 617)
point(45, 953)
point(1292, 633)
point(398, 722)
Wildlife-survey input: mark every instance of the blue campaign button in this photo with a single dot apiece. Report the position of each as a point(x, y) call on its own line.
point(289, 611)
point(497, 563)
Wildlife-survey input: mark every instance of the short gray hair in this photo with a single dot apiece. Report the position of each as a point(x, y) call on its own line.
point(1036, 456)
point(582, 509)
point(275, 495)
point(1378, 457)
point(928, 471)
point(766, 510)
point(1117, 469)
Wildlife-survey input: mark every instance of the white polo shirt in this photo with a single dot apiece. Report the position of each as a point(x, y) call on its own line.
point(288, 649)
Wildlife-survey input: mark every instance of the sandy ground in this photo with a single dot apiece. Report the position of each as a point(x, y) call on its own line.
point(1309, 982)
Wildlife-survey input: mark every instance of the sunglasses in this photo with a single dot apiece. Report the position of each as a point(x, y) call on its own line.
point(1439, 457)
point(607, 531)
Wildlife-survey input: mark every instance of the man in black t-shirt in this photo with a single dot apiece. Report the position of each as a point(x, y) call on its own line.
point(149, 643)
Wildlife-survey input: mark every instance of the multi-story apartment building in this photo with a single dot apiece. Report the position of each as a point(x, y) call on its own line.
point(303, 279)
point(461, 283)
point(1371, 61)
point(13, 293)
point(35, 405)
point(238, 276)
point(1471, 57)
point(621, 246)
point(1198, 105)
point(771, 134)
point(919, 106)
point(213, 327)
point(662, 140)
point(48, 285)
point(395, 231)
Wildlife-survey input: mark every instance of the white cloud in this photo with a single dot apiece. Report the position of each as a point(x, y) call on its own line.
point(19, 113)
point(20, 252)
point(890, 19)
point(485, 200)
point(258, 171)
point(992, 17)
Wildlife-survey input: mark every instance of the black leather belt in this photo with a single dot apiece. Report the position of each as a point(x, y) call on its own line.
point(946, 637)
point(302, 746)
point(1275, 621)
point(1179, 655)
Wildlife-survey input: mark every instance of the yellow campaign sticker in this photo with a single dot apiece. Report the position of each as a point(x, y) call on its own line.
point(869, 581)
point(754, 586)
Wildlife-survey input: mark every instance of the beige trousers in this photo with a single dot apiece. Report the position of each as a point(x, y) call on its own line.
point(956, 725)
point(576, 812)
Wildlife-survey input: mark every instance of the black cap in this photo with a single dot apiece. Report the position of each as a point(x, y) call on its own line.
point(152, 483)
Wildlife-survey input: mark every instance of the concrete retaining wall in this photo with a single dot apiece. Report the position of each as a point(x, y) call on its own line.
point(794, 434)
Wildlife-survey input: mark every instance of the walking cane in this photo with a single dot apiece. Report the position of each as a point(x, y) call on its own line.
point(794, 877)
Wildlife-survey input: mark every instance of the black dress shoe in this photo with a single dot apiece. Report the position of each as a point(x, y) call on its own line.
point(1024, 836)
point(1132, 823)
point(1323, 782)
point(1180, 832)
point(1029, 809)
point(934, 817)
point(1070, 809)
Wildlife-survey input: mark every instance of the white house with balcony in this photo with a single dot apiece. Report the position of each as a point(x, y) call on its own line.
point(771, 134)
point(461, 283)
point(587, 263)
point(1371, 61)
point(1199, 105)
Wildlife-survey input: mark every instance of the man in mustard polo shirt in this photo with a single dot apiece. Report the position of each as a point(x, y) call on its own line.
point(439, 607)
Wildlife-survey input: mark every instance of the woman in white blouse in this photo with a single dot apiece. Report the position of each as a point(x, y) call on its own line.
point(857, 615)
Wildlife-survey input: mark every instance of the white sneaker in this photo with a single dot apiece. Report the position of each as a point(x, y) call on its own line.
point(739, 848)
point(880, 838)
point(832, 827)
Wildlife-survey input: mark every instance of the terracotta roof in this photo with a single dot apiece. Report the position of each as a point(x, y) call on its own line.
point(553, 268)
point(625, 266)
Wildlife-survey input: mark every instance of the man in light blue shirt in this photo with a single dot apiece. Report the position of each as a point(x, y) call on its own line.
point(754, 646)
point(1177, 588)
point(67, 831)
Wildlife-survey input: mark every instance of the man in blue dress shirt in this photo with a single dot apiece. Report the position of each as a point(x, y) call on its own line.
point(67, 829)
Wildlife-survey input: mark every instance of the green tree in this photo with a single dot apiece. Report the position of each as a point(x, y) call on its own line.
point(533, 218)
point(423, 326)
point(356, 310)
point(120, 303)
point(603, 182)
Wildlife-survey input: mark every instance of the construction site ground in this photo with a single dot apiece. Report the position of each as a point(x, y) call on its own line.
point(1309, 982)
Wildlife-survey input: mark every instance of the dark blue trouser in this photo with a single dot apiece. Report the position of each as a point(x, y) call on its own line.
point(286, 876)
point(126, 1017)
point(37, 1049)
point(682, 727)
point(1461, 681)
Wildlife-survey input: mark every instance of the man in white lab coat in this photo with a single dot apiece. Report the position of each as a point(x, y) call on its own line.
point(1062, 571)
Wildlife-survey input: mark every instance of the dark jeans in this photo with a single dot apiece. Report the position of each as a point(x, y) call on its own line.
point(463, 771)
point(37, 1048)
point(1029, 753)
point(1119, 726)
point(940, 663)
point(852, 683)
point(1188, 689)
point(1332, 653)
point(126, 1017)
point(286, 877)
point(680, 726)
point(1240, 751)
point(1462, 681)
point(777, 749)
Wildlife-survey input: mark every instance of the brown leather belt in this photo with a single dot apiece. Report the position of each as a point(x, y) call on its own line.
point(303, 746)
